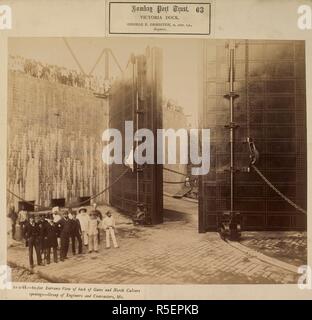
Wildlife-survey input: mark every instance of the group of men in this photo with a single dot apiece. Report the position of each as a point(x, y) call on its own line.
point(54, 73)
point(47, 233)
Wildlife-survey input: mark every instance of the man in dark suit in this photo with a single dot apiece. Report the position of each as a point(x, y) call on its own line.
point(42, 247)
point(32, 235)
point(99, 215)
point(65, 226)
point(50, 239)
point(76, 233)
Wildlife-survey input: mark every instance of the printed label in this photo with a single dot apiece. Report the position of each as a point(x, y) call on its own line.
point(159, 18)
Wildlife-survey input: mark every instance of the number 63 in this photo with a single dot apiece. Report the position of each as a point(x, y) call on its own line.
point(200, 9)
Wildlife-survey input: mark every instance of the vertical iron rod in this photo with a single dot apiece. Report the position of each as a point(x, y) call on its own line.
point(231, 125)
point(136, 86)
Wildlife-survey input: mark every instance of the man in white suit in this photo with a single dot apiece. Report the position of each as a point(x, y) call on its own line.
point(83, 219)
point(108, 224)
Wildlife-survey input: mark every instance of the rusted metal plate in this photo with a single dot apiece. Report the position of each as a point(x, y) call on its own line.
point(270, 81)
point(140, 88)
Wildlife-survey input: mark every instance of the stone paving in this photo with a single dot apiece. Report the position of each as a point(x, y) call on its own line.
point(23, 275)
point(288, 246)
point(171, 253)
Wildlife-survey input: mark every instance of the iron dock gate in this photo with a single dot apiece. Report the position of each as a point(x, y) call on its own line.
point(269, 79)
point(137, 97)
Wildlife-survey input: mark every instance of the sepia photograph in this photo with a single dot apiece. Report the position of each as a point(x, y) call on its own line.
point(140, 160)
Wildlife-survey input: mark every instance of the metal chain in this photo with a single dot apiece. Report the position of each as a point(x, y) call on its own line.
point(27, 202)
point(73, 204)
point(277, 191)
point(174, 182)
point(104, 190)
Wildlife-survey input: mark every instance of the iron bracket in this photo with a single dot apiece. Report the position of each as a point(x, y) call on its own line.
point(231, 95)
point(232, 125)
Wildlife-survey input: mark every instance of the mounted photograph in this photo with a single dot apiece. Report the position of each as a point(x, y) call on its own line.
point(138, 161)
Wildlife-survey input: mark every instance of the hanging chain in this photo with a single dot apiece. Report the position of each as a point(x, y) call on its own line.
point(74, 204)
point(27, 202)
point(277, 191)
point(174, 182)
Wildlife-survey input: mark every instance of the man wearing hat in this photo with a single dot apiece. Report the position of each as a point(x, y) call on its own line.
point(83, 219)
point(65, 231)
point(50, 233)
point(109, 225)
point(42, 245)
point(32, 235)
point(56, 214)
point(76, 233)
point(92, 230)
point(56, 218)
point(99, 218)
